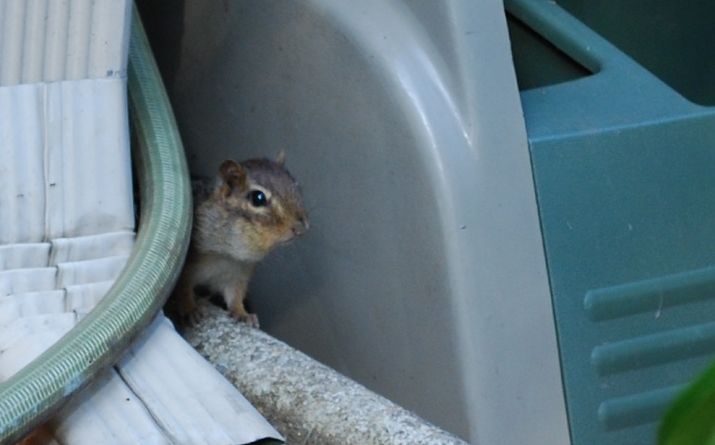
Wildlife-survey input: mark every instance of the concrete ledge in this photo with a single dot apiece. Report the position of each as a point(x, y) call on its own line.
point(306, 401)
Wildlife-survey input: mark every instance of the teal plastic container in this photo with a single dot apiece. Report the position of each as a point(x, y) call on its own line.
point(618, 98)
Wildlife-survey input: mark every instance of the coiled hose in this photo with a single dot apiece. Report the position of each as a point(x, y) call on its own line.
point(36, 392)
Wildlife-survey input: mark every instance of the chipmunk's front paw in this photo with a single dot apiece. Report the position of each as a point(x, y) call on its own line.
point(248, 318)
point(193, 317)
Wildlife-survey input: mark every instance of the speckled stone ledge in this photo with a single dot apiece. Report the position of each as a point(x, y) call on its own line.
point(306, 401)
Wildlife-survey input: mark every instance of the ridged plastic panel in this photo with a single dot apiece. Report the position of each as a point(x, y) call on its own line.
point(623, 172)
point(60, 142)
point(52, 40)
point(626, 226)
point(665, 347)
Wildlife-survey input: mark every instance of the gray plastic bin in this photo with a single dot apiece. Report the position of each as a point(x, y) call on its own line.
point(423, 274)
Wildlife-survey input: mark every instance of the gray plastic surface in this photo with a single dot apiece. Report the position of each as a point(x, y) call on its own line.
point(423, 275)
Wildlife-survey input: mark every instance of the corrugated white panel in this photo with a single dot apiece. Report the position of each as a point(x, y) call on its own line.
point(79, 30)
point(90, 271)
point(78, 298)
point(22, 184)
point(90, 247)
point(107, 52)
point(107, 412)
point(56, 32)
point(34, 40)
point(22, 256)
point(11, 38)
point(187, 397)
point(88, 169)
point(82, 297)
point(66, 168)
point(26, 338)
point(14, 307)
point(53, 40)
point(18, 281)
point(66, 231)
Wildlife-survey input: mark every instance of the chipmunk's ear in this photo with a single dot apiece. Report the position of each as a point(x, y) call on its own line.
point(233, 176)
point(281, 158)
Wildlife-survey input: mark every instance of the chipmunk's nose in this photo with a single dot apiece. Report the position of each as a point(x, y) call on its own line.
point(301, 226)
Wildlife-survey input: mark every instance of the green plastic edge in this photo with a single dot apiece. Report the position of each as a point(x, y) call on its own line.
point(691, 418)
point(36, 392)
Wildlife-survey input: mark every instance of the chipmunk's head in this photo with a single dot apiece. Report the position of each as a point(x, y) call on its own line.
point(263, 201)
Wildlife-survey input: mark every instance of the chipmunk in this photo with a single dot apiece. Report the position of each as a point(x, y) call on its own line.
point(250, 208)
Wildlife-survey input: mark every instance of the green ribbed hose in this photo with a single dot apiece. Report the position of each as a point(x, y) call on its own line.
point(39, 390)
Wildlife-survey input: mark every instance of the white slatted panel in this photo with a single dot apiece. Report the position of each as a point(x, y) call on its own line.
point(82, 297)
point(108, 413)
point(22, 189)
point(56, 32)
point(66, 231)
point(90, 271)
point(26, 338)
point(11, 41)
point(188, 398)
point(91, 247)
point(66, 167)
point(20, 281)
point(20, 305)
point(34, 41)
point(22, 256)
point(88, 183)
point(52, 40)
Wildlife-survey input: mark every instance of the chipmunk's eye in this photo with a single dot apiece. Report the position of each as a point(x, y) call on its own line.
point(257, 198)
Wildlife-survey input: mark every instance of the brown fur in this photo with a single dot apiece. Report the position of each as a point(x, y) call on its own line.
point(231, 235)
